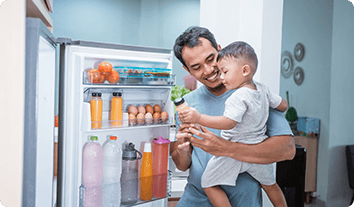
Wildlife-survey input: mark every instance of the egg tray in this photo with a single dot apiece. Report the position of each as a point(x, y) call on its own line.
point(150, 121)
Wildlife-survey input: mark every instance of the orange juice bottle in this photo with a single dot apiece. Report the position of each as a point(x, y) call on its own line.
point(146, 174)
point(116, 109)
point(181, 104)
point(96, 111)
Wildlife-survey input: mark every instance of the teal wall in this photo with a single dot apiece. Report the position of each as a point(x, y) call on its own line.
point(324, 27)
point(341, 105)
point(155, 23)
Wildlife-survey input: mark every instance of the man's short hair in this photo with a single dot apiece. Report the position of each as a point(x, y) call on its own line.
point(239, 49)
point(190, 38)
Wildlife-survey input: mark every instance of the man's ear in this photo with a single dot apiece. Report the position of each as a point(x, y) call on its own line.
point(246, 70)
point(219, 48)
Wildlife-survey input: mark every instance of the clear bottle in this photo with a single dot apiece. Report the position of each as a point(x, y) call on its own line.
point(116, 109)
point(96, 111)
point(146, 176)
point(181, 104)
point(111, 173)
point(160, 166)
point(92, 172)
point(129, 178)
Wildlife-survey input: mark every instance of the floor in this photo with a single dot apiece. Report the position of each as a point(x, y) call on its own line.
point(315, 203)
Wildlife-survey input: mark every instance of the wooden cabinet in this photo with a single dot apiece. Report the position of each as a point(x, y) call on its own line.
point(311, 146)
point(40, 9)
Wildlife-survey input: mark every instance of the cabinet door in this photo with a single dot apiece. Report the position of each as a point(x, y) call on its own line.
point(38, 9)
point(310, 144)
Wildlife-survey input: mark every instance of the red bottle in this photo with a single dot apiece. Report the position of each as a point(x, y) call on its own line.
point(159, 167)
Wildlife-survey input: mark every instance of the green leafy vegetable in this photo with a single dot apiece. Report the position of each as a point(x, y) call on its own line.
point(178, 91)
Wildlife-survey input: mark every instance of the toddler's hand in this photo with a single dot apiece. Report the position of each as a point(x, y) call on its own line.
point(189, 116)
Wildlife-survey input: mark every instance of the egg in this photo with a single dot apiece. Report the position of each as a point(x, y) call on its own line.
point(156, 117)
point(133, 110)
point(164, 116)
point(149, 109)
point(148, 118)
point(141, 109)
point(140, 118)
point(132, 119)
point(157, 108)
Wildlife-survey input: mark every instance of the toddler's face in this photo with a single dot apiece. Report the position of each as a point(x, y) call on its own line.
point(231, 72)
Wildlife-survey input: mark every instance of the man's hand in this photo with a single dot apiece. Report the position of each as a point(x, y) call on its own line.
point(210, 142)
point(181, 150)
point(189, 116)
point(273, 149)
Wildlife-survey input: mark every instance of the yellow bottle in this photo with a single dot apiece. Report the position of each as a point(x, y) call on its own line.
point(96, 111)
point(116, 109)
point(146, 176)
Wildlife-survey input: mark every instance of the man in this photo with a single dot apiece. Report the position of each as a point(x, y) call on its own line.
point(197, 50)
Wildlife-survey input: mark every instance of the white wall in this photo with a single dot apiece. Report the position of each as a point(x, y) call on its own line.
point(12, 60)
point(257, 22)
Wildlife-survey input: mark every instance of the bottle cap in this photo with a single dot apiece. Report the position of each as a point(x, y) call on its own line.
point(94, 94)
point(179, 101)
point(99, 94)
point(147, 147)
point(117, 94)
point(129, 152)
point(113, 138)
point(94, 138)
point(161, 140)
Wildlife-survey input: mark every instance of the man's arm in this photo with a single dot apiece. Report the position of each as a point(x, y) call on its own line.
point(279, 146)
point(181, 150)
point(273, 149)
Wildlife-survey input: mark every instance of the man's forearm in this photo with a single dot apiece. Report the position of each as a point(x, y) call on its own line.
point(181, 158)
point(273, 149)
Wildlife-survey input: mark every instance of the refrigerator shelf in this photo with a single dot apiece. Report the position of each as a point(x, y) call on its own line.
point(131, 79)
point(135, 123)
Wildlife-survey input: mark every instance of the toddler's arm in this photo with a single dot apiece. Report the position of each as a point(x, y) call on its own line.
point(283, 106)
point(216, 122)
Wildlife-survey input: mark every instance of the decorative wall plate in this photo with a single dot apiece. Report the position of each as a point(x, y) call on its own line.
point(287, 64)
point(299, 75)
point(299, 52)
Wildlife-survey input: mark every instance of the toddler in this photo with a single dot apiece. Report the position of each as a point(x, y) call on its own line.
point(244, 120)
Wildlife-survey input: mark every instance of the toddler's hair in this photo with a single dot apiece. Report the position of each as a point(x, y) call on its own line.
point(237, 50)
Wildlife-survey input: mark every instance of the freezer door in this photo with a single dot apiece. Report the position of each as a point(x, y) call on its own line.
point(39, 115)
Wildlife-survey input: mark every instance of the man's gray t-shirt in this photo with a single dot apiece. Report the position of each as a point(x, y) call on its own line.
point(247, 192)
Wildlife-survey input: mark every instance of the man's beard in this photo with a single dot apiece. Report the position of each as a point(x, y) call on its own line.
point(217, 88)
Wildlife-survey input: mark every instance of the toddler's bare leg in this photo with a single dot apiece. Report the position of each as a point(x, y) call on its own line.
point(217, 196)
point(275, 195)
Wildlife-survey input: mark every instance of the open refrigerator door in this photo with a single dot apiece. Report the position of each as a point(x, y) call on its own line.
point(145, 78)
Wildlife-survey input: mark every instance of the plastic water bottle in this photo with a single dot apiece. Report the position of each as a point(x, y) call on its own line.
point(92, 172)
point(129, 179)
point(111, 173)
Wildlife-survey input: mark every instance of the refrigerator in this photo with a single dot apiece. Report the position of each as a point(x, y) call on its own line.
point(57, 72)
